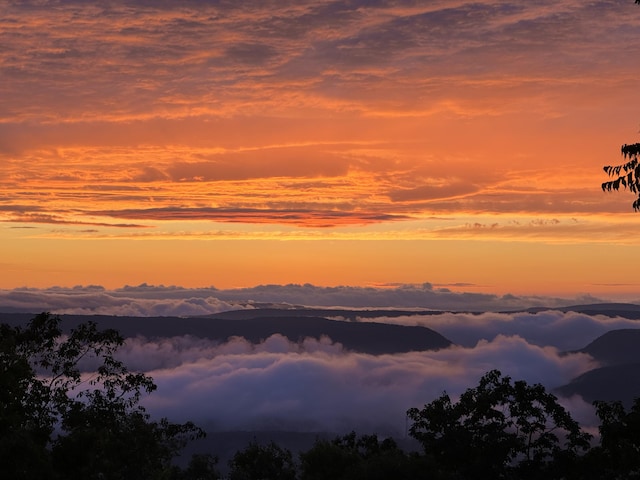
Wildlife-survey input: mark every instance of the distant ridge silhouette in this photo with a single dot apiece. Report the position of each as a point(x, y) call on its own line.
point(365, 337)
point(625, 310)
point(618, 351)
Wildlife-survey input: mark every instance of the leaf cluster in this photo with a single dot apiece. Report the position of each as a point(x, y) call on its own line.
point(70, 409)
point(501, 428)
point(351, 457)
point(618, 454)
point(626, 174)
point(267, 462)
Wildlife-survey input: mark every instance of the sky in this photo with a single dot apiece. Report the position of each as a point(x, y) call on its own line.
point(332, 143)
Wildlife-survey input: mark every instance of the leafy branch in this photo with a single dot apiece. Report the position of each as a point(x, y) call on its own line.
point(626, 174)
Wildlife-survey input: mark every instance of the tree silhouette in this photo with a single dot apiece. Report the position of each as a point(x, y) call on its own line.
point(500, 429)
point(70, 409)
point(618, 455)
point(350, 457)
point(202, 466)
point(626, 174)
point(263, 462)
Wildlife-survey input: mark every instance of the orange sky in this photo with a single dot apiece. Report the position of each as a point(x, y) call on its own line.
point(359, 143)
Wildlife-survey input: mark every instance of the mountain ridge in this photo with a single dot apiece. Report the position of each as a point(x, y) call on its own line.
point(365, 337)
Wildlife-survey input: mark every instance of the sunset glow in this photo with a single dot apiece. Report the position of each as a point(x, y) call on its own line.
point(362, 143)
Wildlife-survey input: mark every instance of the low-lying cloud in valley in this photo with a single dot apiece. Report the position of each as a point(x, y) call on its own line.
point(317, 384)
point(563, 330)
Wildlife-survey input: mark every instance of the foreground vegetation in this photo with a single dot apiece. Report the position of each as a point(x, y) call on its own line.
point(59, 422)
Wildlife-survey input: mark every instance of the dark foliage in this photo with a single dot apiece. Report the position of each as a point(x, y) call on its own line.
point(501, 430)
point(626, 174)
point(69, 409)
point(358, 458)
point(263, 462)
point(618, 455)
point(201, 467)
